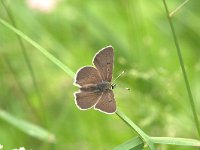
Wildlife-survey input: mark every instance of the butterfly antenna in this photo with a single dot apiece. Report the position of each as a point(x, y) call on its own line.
point(114, 85)
point(127, 89)
point(118, 76)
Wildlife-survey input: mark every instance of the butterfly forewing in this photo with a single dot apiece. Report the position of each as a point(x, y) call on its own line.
point(87, 75)
point(85, 100)
point(106, 103)
point(103, 61)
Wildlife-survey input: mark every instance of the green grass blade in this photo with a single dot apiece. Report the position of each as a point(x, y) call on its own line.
point(183, 70)
point(40, 48)
point(175, 141)
point(134, 144)
point(178, 8)
point(141, 133)
point(28, 128)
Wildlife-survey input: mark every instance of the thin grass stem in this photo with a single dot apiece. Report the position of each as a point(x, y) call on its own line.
point(183, 70)
point(26, 57)
point(20, 86)
point(178, 8)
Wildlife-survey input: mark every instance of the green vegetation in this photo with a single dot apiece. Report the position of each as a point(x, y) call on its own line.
point(41, 51)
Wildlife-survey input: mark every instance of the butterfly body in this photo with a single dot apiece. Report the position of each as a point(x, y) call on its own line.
point(95, 83)
point(100, 87)
point(103, 86)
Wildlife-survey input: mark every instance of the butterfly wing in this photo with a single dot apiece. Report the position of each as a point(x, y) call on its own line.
point(87, 76)
point(103, 61)
point(106, 102)
point(85, 100)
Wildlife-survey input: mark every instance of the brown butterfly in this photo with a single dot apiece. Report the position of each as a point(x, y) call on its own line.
point(95, 83)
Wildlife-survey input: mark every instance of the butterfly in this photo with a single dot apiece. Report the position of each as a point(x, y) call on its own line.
point(95, 88)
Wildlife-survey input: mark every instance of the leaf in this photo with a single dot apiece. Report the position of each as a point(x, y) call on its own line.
point(133, 144)
point(175, 141)
point(27, 127)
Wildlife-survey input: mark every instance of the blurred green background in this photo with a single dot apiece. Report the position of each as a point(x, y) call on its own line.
point(73, 31)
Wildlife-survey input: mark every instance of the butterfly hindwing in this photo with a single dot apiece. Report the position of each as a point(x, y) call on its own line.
point(106, 103)
point(86, 100)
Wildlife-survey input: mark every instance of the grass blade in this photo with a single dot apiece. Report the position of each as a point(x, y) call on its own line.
point(141, 133)
point(40, 48)
point(175, 141)
point(28, 128)
point(178, 8)
point(134, 144)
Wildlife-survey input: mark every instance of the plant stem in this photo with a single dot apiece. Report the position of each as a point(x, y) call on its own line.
point(183, 70)
point(139, 131)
